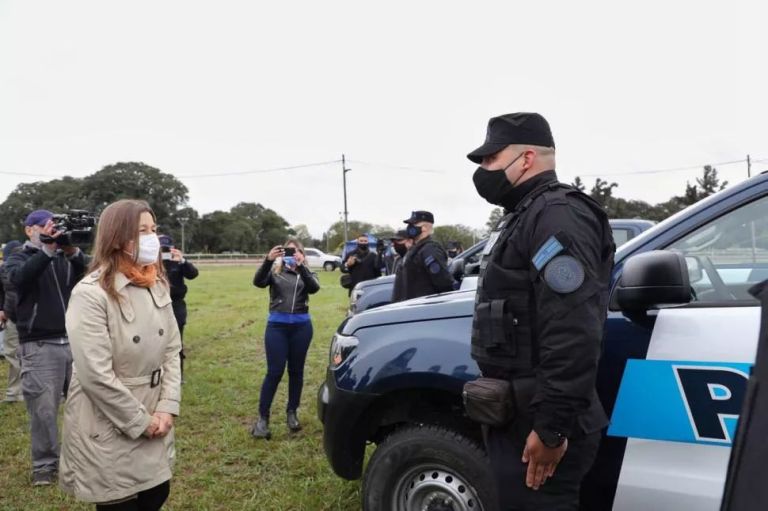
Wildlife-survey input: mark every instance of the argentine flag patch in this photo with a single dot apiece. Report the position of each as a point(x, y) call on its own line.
point(547, 252)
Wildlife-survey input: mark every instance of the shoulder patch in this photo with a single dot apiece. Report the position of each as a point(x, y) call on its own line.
point(547, 252)
point(435, 268)
point(429, 260)
point(564, 274)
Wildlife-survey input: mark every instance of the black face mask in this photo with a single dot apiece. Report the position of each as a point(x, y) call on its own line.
point(363, 249)
point(400, 249)
point(413, 231)
point(493, 185)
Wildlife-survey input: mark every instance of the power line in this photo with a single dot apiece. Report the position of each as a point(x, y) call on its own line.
point(26, 174)
point(659, 171)
point(399, 167)
point(259, 171)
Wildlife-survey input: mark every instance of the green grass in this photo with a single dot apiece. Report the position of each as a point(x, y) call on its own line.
point(219, 466)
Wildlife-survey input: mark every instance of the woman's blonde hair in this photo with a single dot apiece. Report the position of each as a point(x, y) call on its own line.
point(118, 226)
point(278, 266)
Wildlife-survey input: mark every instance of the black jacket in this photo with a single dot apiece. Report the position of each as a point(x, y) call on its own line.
point(177, 272)
point(7, 295)
point(568, 305)
point(366, 268)
point(288, 290)
point(43, 285)
point(423, 271)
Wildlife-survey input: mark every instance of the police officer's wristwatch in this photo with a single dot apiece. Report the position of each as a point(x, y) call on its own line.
point(551, 439)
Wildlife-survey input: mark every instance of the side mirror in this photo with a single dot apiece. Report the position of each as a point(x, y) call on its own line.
point(456, 268)
point(652, 279)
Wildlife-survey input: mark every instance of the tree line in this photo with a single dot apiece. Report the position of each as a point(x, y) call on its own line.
point(247, 227)
point(616, 207)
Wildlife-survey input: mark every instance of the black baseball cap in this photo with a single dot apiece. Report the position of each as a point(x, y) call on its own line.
point(420, 216)
point(518, 128)
point(165, 240)
point(400, 235)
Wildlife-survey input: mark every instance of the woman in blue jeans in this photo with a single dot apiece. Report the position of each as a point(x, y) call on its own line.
point(289, 329)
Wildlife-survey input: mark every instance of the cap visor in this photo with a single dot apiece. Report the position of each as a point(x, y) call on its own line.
point(484, 150)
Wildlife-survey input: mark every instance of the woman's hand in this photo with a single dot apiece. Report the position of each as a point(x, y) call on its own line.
point(275, 253)
point(165, 423)
point(152, 428)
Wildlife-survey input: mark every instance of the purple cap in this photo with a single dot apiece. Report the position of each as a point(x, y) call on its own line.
point(165, 240)
point(38, 217)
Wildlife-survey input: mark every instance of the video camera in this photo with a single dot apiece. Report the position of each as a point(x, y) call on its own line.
point(76, 228)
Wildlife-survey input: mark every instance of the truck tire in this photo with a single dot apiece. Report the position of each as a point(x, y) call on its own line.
point(329, 266)
point(428, 468)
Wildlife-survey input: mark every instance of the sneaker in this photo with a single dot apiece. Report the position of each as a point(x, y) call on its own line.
point(293, 421)
point(43, 478)
point(260, 429)
point(13, 399)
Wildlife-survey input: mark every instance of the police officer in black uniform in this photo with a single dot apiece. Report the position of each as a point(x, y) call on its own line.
point(539, 312)
point(424, 269)
point(177, 269)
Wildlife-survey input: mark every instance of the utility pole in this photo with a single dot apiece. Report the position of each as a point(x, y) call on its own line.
point(183, 222)
point(749, 166)
point(344, 171)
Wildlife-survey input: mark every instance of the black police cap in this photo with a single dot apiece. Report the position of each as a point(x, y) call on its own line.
point(400, 235)
point(420, 216)
point(519, 128)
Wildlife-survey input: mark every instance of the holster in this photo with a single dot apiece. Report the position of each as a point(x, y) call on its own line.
point(496, 402)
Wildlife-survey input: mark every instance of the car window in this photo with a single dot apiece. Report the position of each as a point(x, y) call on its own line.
point(621, 236)
point(310, 252)
point(728, 255)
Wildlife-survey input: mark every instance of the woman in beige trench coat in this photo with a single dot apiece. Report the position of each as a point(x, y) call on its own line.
point(118, 444)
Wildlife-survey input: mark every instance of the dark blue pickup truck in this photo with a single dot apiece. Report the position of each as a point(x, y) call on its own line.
point(679, 342)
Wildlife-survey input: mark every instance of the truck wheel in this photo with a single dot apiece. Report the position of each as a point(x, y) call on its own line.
point(428, 468)
point(329, 266)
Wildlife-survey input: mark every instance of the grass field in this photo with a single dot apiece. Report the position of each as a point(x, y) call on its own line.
point(219, 466)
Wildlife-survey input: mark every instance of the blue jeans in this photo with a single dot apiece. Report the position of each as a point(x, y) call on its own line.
point(284, 344)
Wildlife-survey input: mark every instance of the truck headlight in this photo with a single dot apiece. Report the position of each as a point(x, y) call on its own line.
point(341, 347)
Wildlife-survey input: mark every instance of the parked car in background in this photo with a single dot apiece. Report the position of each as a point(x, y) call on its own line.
point(626, 229)
point(316, 258)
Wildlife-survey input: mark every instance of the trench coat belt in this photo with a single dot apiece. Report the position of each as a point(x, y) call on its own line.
point(153, 380)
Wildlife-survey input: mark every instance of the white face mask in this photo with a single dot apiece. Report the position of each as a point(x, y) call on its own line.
point(149, 249)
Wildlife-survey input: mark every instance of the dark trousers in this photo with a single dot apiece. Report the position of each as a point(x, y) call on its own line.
point(285, 344)
point(147, 500)
point(559, 493)
point(180, 313)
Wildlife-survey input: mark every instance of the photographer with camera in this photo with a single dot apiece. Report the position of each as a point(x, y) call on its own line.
point(289, 329)
point(177, 269)
point(43, 274)
point(361, 264)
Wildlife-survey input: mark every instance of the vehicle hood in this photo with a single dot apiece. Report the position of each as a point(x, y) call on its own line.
point(445, 305)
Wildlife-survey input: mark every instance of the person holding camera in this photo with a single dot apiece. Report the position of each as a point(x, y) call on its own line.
point(44, 273)
point(289, 329)
point(118, 443)
point(361, 263)
point(8, 320)
point(177, 269)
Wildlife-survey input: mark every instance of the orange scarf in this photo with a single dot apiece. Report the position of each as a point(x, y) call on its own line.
point(142, 276)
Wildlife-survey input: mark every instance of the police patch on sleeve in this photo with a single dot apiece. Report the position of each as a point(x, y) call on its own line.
point(564, 274)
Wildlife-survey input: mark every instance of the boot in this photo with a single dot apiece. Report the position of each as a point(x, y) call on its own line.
point(293, 421)
point(260, 428)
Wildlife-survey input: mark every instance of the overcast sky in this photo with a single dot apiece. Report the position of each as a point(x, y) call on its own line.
point(198, 88)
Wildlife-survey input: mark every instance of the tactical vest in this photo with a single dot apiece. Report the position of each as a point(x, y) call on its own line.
point(502, 327)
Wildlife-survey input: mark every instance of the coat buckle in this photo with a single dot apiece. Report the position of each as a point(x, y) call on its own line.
point(155, 381)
